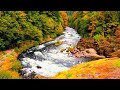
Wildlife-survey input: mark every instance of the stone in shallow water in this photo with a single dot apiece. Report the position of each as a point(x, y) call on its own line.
point(50, 57)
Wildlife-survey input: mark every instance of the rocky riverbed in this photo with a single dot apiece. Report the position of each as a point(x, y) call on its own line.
point(55, 56)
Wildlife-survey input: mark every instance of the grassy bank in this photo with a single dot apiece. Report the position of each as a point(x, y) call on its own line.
point(108, 68)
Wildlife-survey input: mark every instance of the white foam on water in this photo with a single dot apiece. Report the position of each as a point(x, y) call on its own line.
point(54, 60)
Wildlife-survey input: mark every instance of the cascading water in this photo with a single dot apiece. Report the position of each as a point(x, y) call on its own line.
point(48, 60)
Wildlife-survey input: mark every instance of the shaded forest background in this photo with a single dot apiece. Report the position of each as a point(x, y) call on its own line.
point(99, 30)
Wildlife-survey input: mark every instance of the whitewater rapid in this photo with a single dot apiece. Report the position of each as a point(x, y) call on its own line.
point(47, 59)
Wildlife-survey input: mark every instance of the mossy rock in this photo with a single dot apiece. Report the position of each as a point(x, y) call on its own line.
point(58, 43)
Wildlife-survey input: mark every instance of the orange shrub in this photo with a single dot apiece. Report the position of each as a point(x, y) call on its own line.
point(75, 15)
point(64, 15)
point(117, 33)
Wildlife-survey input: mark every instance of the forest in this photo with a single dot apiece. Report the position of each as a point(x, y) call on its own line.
point(99, 41)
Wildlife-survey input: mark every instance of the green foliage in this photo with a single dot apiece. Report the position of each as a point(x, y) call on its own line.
point(8, 31)
point(97, 37)
point(70, 13)
point(98, 30)
point(96, 22)
point(20, 26)
point(53, 35)
point(76, 24)
point(59, 29)
point(16, 65)
point(117, 64)
point(7, 75)
point(70, 20)
point(54, 14)
point(48, 24)
point(83, 27)
point(23, 46)
point(69, 75)
point(58, 43)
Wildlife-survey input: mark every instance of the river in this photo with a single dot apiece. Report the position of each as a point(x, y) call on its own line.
point(47, 59)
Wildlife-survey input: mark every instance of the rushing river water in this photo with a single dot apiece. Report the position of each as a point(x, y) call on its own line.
point(48, 60)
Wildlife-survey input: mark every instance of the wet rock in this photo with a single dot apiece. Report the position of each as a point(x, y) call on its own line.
point(39, 67)
point(53, 59)
point(78, 55)
point(88, 53)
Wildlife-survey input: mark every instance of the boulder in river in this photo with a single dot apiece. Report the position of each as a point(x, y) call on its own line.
point(89, 53)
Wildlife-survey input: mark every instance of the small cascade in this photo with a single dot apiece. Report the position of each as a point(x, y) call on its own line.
point(47, 59)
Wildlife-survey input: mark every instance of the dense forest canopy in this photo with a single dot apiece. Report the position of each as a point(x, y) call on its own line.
point(22, 27)
point(37, 26)
point(99, 30)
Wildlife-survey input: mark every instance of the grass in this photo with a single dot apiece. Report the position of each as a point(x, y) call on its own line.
point(69, 75)
point(99, 69)
point(9, 75)
point(118, 64)
point(16, 65)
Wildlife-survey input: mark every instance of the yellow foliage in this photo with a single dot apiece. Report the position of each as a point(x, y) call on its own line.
point(62, 22)
point(50, 23)
point(85, 12)
point(7, 74)
point(64, 15)
point(59, 29)
point(85, 17)
point(71, 50)
point(99, 69)
point(6, 65)
point(58, 43)
point(21, 13)
point(15, 74)
point(9, 66)
point(48, 38)
point(75, 15)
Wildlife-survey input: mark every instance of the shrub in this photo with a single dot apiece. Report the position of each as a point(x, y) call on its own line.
point(101, 27)
point(117, 64)
point(59, 29)
point(69, 75)
point(9, 75)
point(97, 37)
point(24, 45)
point(64, 15)
point(16, 66)
point(5, 75)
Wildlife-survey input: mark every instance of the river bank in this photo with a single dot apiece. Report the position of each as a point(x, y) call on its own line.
point(108, 68)
point(54, 59)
